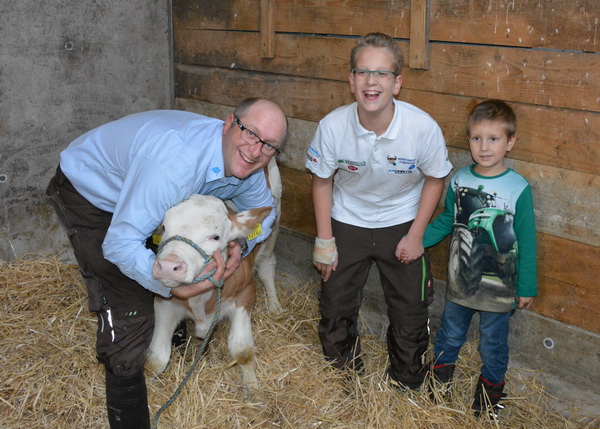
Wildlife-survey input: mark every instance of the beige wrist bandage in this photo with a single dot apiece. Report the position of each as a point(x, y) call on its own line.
point(325, 251)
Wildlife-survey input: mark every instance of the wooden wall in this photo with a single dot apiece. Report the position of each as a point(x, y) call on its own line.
point(541, 56)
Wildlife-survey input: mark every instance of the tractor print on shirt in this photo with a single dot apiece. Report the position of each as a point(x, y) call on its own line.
point(483, 250)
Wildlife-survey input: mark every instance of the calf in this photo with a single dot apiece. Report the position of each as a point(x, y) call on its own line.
point(206, 226)
point(265, 258)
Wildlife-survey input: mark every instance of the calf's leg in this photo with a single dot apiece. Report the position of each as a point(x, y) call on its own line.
point(168, 314)
point(241, 348)
point(265, 268)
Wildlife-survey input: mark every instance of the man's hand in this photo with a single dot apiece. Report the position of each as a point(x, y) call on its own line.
point(193, 289)
point(233, 260)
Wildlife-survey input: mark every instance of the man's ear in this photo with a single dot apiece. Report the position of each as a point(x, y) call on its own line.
point(228, 123)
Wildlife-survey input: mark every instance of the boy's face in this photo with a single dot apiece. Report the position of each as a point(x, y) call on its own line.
point(374, 94)
point(489, 144)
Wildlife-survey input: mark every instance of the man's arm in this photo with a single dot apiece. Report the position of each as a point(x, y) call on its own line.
point(411, 246)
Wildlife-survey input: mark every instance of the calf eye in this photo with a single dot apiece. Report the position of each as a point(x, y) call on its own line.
point(215, 237)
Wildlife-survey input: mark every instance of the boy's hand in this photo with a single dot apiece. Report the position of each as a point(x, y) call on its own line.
point(524, 302)
point(325, 256)
point(409, 249)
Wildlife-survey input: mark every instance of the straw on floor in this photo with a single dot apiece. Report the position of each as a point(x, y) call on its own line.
point(50, 378)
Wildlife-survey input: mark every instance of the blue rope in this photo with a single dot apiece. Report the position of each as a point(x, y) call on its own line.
point(186, 241)
point(218, 286)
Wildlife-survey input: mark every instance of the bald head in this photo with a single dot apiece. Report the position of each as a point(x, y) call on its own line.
point(263, 119)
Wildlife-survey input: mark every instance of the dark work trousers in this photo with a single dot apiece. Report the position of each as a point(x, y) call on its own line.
point(407, 289)
point(125, 309)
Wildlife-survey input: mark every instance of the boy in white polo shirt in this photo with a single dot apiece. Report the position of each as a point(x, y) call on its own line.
point(389, 159)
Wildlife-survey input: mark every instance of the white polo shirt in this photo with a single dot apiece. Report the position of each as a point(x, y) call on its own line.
point(379, 179)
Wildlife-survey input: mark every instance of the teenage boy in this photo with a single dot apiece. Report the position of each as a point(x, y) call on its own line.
point(389, 160)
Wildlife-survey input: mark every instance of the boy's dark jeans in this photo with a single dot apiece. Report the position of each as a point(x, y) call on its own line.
point(493, 345)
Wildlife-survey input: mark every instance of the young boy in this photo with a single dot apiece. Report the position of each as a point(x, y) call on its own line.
point(389, 159)
point(492, 263)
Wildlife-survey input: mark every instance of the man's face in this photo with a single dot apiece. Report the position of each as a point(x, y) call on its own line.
point(374, 93)
point(242, 158)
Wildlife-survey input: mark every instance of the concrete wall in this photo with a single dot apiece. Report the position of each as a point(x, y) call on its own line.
point(66, 67)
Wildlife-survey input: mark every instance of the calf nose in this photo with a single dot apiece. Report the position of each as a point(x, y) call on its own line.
point(169, 269)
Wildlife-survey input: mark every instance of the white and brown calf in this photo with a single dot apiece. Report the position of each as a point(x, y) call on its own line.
point(265, 261)
point(207, 224)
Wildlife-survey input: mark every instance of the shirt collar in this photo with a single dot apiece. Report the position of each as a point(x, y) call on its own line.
point(393, 130)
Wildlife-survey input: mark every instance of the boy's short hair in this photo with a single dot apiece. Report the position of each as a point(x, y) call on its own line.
point(378, 40)
point(496, 111)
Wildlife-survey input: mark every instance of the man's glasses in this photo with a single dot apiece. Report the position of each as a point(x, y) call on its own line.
point(251, 138)
point(377, 74)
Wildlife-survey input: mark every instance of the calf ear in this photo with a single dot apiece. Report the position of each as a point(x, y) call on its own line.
point(244, 222)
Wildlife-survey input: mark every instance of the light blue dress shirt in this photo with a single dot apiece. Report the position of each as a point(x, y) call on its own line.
point(140, 166)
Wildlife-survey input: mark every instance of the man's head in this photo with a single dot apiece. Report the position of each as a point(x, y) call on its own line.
point(252, 134)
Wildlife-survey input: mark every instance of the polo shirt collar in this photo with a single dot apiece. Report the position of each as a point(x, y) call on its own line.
point(393, 130)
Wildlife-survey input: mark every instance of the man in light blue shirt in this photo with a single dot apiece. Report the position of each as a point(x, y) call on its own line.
point(112, 189)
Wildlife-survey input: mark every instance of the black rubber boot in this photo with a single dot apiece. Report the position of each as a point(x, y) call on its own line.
point(127, 401)
point(488, 397)
point(440, 382)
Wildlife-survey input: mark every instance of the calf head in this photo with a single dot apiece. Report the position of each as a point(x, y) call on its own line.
point(193, 230)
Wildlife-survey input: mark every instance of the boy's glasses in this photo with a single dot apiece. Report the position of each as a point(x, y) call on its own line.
point(251, 138)
point(377, 74)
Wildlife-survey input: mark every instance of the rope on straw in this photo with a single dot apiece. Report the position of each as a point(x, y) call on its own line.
point(219, 286)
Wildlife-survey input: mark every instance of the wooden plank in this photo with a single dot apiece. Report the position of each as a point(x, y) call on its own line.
point(419, 34)
point(229, 86)
point(296, 201)
point(318, 16)
point(546, 78)
point(566, 139)
point(550, 24)
point(560, 138)
point(572, 304)
point(267, 32)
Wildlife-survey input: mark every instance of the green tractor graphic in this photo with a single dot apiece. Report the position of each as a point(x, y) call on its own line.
point(483, 245)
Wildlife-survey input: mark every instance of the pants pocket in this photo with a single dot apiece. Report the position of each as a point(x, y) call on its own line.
point(427, 285)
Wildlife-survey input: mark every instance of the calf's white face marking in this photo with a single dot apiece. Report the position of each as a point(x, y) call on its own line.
point(205, 221)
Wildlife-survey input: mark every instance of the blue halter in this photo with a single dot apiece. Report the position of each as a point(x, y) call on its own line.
point(207, 258)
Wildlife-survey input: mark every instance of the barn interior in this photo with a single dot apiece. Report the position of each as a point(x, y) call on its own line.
point(68, 67)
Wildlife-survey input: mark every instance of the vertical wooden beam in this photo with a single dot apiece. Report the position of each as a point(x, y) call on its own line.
point(419, 34)
point(267, 28)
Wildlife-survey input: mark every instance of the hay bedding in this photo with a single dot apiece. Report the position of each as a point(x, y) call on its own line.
point(50, 379)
